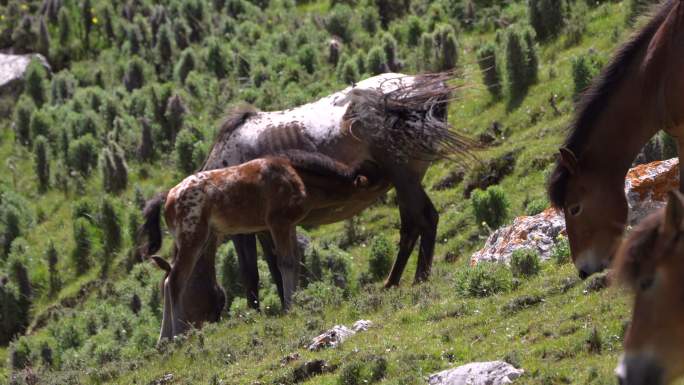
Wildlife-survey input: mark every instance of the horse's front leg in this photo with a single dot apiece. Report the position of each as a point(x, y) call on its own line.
point(245, 247)
point(418, 218)
point(288, 258)
point(268, 247)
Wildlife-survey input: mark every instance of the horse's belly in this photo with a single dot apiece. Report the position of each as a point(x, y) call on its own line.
point(335, 212)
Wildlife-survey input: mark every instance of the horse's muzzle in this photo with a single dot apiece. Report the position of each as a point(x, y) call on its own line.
point(639, 369)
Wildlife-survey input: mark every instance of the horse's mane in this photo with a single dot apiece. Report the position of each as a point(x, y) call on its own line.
point(233, 119)
point(410, 121)
point(637, 248)
point(598, 95)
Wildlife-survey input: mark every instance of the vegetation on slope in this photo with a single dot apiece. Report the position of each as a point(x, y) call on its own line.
point(136, 95)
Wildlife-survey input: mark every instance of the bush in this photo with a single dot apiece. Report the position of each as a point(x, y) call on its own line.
point(380, 259)
point(83, 154)
point(185, 65)
point(135, 74)
point(216, 60)
point(350, 72)
point(389, 45)
point(525, 263)
point(52, 258)
point(230, 276)
point(486, 58)
point(516, 66)
point(536, 206)
point(80, 257)
point(184, 147)
point(446, 48)
point(42, 163)
point(490, 206)
point(10, 308)
point(560, 253)
point(35, 82)
point(12, 229)
point(366, 370)
point(271, 305)
point(584, 68)
point(546, 17)
point(338, 22)
point(315, 297)
point(164, 45)
point(484, 279)
point(110, 224)
point(114, 169)
point(22, 121)
point(307, 58)
point(376, 61)
point(175, 116)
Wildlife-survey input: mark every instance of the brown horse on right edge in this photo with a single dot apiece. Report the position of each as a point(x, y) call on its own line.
point(651, 263)
point(638, 93)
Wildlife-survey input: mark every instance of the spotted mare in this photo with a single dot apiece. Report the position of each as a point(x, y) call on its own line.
point(270, 194)
point(651, 263)
point(392, 125)
point(637, 94)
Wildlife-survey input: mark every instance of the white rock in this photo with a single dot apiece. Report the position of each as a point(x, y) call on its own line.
point(13, 68)
point(477, 373)
point(362, 325)
point(331, 338)
point(646, 188)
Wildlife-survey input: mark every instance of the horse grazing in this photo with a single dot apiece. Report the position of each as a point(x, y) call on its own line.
point(651, 262)
point(271, 194)
point(637, 94)
point(393, 122)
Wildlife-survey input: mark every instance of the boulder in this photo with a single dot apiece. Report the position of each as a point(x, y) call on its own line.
point(338, 334)
point(646, 188)
point(12, 70)
point(477, 373)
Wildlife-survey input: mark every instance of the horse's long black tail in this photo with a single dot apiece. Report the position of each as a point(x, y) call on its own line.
point(152, 226)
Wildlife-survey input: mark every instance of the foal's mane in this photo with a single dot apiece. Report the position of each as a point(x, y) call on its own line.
point(598, 95)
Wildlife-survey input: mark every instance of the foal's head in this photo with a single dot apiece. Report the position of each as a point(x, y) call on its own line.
point(595, 212)
point(203, 299)
point(651, 262)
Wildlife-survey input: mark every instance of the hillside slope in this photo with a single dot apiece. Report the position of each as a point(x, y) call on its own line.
point(94, 316)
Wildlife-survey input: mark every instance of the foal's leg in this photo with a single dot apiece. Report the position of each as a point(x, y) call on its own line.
point(268, 247)
point(245, 247)
point(189, 248)
point(288, 258)
point(418, 218)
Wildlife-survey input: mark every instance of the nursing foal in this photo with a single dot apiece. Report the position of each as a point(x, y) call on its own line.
point(270, 194)
point(651, 262)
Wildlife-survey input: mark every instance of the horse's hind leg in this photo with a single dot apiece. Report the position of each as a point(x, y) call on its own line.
point(268, 247)
point(288, 258)
point(245, 247)
point(418, 218)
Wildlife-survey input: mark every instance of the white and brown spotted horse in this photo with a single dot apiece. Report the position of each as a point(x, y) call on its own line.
point(391, 125)
point(270, 194)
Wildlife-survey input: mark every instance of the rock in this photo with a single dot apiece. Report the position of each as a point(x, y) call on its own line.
point(477, 373)
point(597, 282)
point(646, 188)
point(331, 338)
point(362, 325)
point(12, 70)
point(338, 334)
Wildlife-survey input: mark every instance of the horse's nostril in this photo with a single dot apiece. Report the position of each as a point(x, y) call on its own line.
point(583, 274)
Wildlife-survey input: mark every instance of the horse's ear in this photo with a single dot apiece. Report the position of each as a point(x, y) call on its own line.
point(161, 263)
point(568, 160)
point(674, 212)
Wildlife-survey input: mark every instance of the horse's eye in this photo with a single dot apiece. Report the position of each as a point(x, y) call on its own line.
point(575, 209)
point(646, 283)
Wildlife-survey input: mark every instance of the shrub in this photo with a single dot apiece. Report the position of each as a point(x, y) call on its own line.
point(184, 148)
point(490, 206)
point(366, 370)
point(40, 124)
point(12, 229)
point(536, 206)
point(13, 323)
point(164, 45)
point(391, 9)
point(175, 116)
point(370, 20)
point(315, 297)
point(146, 148)
point(484, 279)
point(376, 61)
point(313, 267)
point(486, 58)
point(389, 45)
point(584, 67)
point(22, 121)
point(216, 60)
point(516, 66)
point(110, 224)
point(271, 305)
point(20, 356)
point(135, 74)
point(64, 26)
point(350, 72)
point(414, 30)
point(307, 58)
point(380, 259)
point(83, 154)
point(80, 257)
point(42, 163)
point(230, 277)
point(560, 253)
point(35, 82)
point(338, 22)
point(525, 263)
point(114, 169)
point(446, 48)
point(55, 282)
point(62, 87)
point(546, 17)
point(185, 65)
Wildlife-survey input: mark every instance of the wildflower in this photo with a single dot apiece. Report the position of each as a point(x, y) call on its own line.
point(94, 20)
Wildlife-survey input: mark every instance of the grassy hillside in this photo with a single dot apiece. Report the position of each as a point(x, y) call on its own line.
point(94, 316)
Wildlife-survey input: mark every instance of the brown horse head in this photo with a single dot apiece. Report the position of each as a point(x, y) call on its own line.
point(651, 262)
point(595, 212)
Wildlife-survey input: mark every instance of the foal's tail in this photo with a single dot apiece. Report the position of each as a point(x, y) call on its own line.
point(152, 225)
